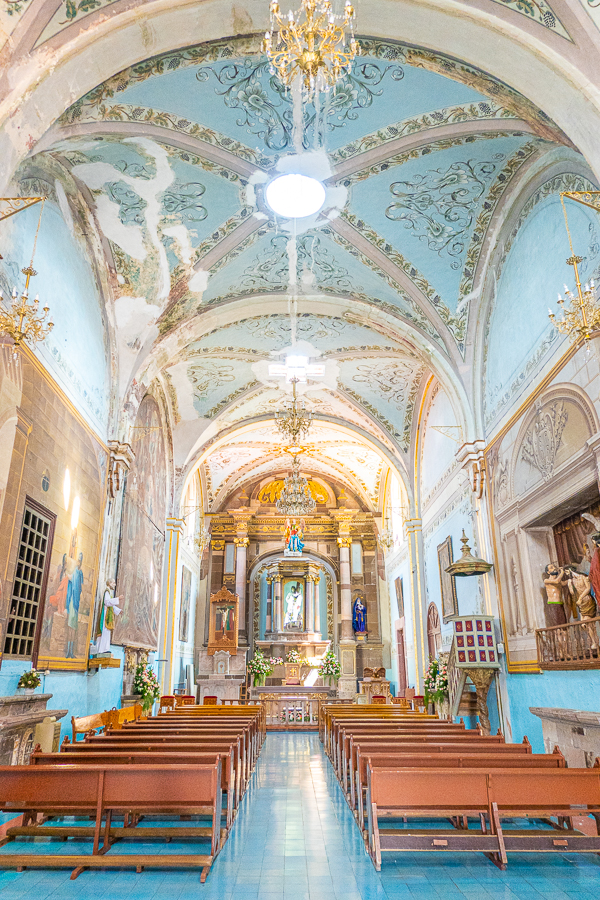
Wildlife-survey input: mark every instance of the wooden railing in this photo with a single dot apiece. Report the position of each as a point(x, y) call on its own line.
point(291, 710)
point(572, 646)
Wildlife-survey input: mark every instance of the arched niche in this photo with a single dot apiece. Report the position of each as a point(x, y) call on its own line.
point(328, 595)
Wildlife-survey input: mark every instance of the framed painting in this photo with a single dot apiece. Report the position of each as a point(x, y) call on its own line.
point(447, 582)
point(184, 607)
point(399, 584)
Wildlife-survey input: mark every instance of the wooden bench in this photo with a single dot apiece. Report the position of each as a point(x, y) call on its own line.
point(111, 718)
point(373, 724)
point(489, 795)
point(343, 732)
point(105, 791)
point(163, 756)
point(221, 745)
point(457, 760)
point(249, 740)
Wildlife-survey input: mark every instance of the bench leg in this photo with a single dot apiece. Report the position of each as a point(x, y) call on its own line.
point(376, 844)
point(204, 873)
point(76, 872)
point(499, 859)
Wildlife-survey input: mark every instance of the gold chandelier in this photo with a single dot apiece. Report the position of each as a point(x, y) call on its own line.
point(21, 321)
point(295, 498)
point(581, 317)
point(311, 43)
point(294, 420)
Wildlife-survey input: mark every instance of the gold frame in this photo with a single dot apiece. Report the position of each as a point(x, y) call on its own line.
point(223, 643)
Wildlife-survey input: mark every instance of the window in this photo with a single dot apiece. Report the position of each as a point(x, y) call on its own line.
point(30, 581)
point(357, 562)
point(229, 559)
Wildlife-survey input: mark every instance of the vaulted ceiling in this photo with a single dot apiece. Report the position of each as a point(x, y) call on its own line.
point(420, 155)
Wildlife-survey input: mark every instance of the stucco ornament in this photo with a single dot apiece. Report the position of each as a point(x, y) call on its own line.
point(542, 441)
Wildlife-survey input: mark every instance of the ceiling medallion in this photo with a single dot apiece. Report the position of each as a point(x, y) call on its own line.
point(22, 322)
point(582, 316)
point(312, 43)
point(295, 498)
point(293, 420)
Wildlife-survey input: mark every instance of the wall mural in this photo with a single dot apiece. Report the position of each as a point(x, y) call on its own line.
point(142, 537)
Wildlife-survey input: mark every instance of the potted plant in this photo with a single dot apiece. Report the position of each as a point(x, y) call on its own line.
point(259, 667)
point(145, 683)
point(436, 687)
point(29, 681)
point(330, 669)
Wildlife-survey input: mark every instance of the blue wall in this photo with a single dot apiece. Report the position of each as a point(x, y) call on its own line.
point(563, 690)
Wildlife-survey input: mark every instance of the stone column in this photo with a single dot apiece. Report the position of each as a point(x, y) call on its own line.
point(418, 598)
point(317, 579)
point(309, 605)
point(241, 544)
point(346, 632)
point(278, 623)
point(269, 623)
point(173, 537)
point(241, 517)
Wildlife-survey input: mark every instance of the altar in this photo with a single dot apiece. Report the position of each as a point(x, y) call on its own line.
point(294, 707)
point(293, 608)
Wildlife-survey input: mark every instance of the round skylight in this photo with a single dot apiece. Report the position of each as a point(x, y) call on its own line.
point(295, 196)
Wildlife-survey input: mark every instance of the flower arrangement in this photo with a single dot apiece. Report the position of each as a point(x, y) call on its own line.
point(276, 661)
point(330, 667)
point(293, 656)
point(145, 683)
point(259, 667)
point(436, 681)
point(30, 680)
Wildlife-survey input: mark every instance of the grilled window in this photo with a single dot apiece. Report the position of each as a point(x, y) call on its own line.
point(28, 583)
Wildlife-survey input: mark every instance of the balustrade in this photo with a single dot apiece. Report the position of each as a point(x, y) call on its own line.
point(572, 646)
point(291, 710)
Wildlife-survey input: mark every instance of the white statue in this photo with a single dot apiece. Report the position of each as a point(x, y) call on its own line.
point(106, 622)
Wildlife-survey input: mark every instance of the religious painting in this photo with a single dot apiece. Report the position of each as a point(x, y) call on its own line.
point(223, 622)
point(293, 604)
point(399, 584)
point(447, 582)
point(185, 603)
point(141, 550)
point(73, 493)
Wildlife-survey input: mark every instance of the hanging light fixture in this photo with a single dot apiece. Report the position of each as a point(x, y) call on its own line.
point(581, 317)
point(22, 322)
point(293, 420)
point(295, 498)
point(312, 43)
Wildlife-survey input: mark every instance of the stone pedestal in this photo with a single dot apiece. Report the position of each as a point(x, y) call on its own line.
point(18, 717)
point(347, 682)
point(574, 731)
point(221, 675)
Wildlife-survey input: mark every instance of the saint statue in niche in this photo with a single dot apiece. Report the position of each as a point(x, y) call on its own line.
point(224, 620)
point(359, 616)
point(294, 535)
point(293, 603)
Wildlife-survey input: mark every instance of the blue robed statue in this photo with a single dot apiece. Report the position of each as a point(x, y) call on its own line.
point(359, 616)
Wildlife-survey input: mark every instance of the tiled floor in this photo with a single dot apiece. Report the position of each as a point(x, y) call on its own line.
point(295, 839)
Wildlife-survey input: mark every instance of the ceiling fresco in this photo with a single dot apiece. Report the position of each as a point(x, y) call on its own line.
point(419, 154)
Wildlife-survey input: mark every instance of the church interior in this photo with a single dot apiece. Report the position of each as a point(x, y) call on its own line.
point(300, 449)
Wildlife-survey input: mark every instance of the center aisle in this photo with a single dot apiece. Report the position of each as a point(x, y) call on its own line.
point(295, 839)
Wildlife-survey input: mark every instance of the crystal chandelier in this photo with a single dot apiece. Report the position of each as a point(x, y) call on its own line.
point(22, 322)
point(295, 498)
point(311, 43)
point(582, 315)
point(294, 420)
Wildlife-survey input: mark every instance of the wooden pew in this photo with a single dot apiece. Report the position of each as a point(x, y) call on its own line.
point(328, 714)
point(194, 725)
point(458, 760)
point(342, 732)
point(490, 795)
point(248, 739)
point(473, 738)
point(111, 718)
point(105, 791)
point(223, 746)
point(162, 757)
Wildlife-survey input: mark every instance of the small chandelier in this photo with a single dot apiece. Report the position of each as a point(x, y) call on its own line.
point(294, 420)
point(295, 498)
point(311, 43)
point(582, 316)
point(22, 322)
point(386, 538)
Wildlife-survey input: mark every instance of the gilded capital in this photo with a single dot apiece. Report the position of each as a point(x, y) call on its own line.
point(344, 541)
point(241, 541)
point(218, 545)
